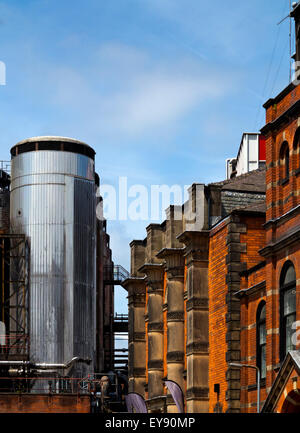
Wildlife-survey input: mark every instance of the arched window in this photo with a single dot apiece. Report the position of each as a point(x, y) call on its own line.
point(287, 163)
point(296, 148)
point(261, 335)
point(287, 308)
point(284, 162)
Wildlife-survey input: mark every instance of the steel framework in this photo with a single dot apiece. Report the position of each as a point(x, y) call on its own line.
point(14, 297)
point(114, 275)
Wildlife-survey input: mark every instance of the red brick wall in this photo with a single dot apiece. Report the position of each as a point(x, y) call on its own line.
point(254, 238)
point(248, 353)
point(249, 306)
point(280, 199)
point(273, 272)
point(275, 110)
point(217, 312)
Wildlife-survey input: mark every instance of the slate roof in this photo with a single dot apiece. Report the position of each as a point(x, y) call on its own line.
point(254, 181)
point(259, 206)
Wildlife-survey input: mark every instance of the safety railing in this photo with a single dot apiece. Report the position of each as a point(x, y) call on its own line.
point(115, 274)
point(45, 385)
point(14, 344)
point(121, 317)
point(5, 166)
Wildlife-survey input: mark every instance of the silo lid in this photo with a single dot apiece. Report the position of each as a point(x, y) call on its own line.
point(57, 143)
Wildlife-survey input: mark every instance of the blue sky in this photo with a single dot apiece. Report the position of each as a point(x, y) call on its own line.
point(162, 89)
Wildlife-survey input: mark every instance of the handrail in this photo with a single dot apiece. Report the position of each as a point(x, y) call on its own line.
point(5, 166)
point(115, 273)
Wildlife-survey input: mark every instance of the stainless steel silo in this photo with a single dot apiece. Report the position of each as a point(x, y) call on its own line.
point(53, 204)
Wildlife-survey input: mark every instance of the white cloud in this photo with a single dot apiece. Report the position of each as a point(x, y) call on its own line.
point(125, 91)
point(157, 99)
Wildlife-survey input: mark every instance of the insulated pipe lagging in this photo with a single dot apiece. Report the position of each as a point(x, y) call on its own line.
point(46, 366)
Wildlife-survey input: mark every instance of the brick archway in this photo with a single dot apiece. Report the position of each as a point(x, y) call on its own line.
point(291, 403)
point(284, 396)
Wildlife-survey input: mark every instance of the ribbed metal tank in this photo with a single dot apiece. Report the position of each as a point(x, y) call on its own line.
point(4, 210)
point(53, 203)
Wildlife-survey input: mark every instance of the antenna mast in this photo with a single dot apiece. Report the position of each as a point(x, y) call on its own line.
point(290, 36)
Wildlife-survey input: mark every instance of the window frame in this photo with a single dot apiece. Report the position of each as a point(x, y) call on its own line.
point(284, 162)
point(259, 323)
point(296, 152)
point(283, 317)
point(287, 163)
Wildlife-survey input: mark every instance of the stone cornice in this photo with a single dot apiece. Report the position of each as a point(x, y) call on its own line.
point(154, 226)
point(138, 372)
point(157, 403)
point(175, 316)
point(156, 364)
point(193, 238)
point(197, 393)
point(286, 241)
point(198, 304)
point(280, 96)
point(251, 290)
point(133, 281)
point(174, 261)
point(138, 336)
point(165, 252)
point(255, 268)
point(137, 300)
point(283, 218)
point(151, 267)
point(136, 288)
point(196, 247)
point(285, 117)
point(197, 348)
point(139, 242)
point(155, 327)
point(154, 275)
point(175, 357)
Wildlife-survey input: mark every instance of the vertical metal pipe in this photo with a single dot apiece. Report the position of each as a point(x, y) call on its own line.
point(290, 36)
point(238, 365)
point(3, 279)
point(258, 390)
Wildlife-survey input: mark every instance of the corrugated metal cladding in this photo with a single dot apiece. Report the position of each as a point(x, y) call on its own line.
point(4, 210)
point(53, 204)
point(84, 272)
